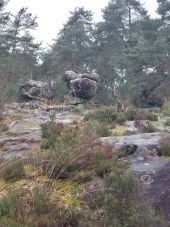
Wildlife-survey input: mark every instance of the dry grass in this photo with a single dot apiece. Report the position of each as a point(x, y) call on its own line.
point(50, 187)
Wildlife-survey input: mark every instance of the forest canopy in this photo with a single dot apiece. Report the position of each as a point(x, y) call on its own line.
point(127, 47)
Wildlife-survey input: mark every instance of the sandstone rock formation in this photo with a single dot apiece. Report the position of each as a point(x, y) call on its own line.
point(82, 86)
point(36, 89)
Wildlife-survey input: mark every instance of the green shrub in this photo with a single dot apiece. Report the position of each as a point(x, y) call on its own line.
point(136, 114)
point(3, 128)
point(165, 146)
point(11, 203)
point(166, 108)
point(167, 123)
point(151, 116)
point(13, 170)
point(51, 129)
point(12, 90)
point(121, 119)
point(149, 128)
point(131, 114)
point(40, 200)
point(104, 168)
point(106, 115)
point(69, 153)
point(84, 176)
point(146, 99)
point(145, 127)
point(119, 203)
point(47, 144)
point(102, 130)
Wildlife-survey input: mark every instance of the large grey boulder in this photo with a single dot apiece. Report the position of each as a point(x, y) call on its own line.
point(82, 86)
point(37, 89)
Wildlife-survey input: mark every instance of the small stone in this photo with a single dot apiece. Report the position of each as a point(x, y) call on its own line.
point(141, 158)
point(146, 164)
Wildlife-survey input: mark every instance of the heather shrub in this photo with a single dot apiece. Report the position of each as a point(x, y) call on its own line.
point(165, 145)
point(12, 170)
point(106, 115)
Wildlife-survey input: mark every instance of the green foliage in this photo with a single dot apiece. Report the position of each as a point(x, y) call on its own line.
point(124, 215)
point(18, 51)
point(46, 144)
point(51, 130)
point(167, 123)
point(12, 90)
point(106, 115)
point(131, 114)
point(72, 49)
point(84, 176)
point(147, 99)
point(151, 116)
point(40, 200)
point(145, 127)
point(10, 203)
point(166, 108)
point(72, 145)
point(13, 171)
point(165, 146)
point(102, 129)
point(42, 210)
point(104, 168)
point(3, 127)
point(149, 128)
point(137, 114)
point(121, 119)
point(55, 187)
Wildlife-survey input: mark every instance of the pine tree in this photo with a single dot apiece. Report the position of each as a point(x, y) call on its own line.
point(72, 48)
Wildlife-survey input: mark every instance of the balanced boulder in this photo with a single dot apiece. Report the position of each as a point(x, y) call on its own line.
point(82, 86)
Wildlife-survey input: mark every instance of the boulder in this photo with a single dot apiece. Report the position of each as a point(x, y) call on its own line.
point(81, 86)
point(93, 76)
point(37, 89)
point(84, 88)
point(68, 76)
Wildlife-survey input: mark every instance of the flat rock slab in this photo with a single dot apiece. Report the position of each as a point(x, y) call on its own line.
point(144, 139)
point(153, 171)
point(159, 190)
point(25, 132)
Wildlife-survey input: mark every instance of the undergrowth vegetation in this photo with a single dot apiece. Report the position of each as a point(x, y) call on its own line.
point(165, 145)
point(109, 115)
point(145, 126)
point(72, 180)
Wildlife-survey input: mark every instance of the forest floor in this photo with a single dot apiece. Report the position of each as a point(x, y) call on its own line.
point(24, 134)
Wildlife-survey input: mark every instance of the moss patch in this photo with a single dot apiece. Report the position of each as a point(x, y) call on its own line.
point(166, 157)
point(68, 192)
point(120, 130)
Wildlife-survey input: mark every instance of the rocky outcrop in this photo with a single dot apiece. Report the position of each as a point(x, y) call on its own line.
point(152, 170)
point(81, 86)
point(37, 89)
point(24, 130)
